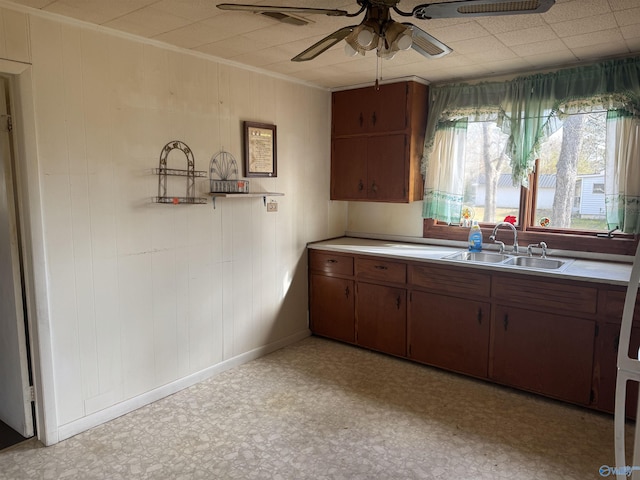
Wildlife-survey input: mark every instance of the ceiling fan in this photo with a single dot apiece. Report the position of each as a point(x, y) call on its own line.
point(380, 32)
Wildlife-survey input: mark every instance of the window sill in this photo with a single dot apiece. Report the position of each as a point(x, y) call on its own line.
point(618, 245)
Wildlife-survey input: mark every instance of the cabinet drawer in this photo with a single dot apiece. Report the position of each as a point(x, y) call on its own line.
point(331, 263)
point(379, 269)
point(450, 281)
point(546, 295)
point(612, 305)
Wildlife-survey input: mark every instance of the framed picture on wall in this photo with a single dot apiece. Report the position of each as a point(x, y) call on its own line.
point(260, 153)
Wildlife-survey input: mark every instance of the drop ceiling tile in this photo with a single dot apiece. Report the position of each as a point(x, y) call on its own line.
point(551, 59)
point(538, 48)
point(477, 45)
point(96, 11)
point(585, 25)
point(463, 31)
point(628, 17)
point(196, 10)
point(595, 38)
point(147, 22)
point(574, 9)
point(229, 47)
point(630, 32)
point(622, 4)
point(598, 51)
point(509, 23)
point(191, 36)
point(528, 35)
point(33, 3)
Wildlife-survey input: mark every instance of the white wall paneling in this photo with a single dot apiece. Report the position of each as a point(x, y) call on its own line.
point(144, 299)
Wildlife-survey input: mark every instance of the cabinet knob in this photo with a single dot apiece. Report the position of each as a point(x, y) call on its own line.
point(361, 119)
point(346, 292)
point(374, 187)
point(374, 119)
point(360, 186)
point(480, 316)
point(506, 321)
point(398, 302)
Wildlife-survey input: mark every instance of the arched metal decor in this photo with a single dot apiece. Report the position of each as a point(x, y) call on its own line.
point(163, 171)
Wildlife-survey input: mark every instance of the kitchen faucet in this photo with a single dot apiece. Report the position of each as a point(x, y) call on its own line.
point(515, 234)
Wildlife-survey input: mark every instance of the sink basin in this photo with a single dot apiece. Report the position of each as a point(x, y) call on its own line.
point(509, 260)
point(536, 262)
point(479, 257)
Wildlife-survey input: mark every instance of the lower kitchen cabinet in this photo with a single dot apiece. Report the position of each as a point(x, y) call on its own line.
point(332, 307)
point(449, 332)
point(543, 353)
point(382, 318)
point(551, 336)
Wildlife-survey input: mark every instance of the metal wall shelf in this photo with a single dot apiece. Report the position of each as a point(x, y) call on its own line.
point(264, 196)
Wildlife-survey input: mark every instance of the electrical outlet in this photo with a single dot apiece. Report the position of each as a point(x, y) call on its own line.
point(272, 206)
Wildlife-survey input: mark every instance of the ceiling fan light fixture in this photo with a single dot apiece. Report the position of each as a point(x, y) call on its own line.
point(349, 50)
point(365, 38)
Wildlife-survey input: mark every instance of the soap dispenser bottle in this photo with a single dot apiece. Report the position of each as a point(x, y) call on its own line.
point(475, 237)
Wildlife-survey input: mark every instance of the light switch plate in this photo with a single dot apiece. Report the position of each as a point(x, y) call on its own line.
point(272, 206)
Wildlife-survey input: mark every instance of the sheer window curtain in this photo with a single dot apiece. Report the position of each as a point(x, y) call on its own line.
point(622, 175)
point(444, 174)
point(528, 109)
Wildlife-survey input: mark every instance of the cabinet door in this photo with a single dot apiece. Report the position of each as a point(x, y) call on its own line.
point(606, 368)
point(349, 111)
point(387, 168)
point(332, 305)
point(381, 314)
point(449, 332)
point(367, 110)
point(543, 352)
point(349, 169)
point(388, 109)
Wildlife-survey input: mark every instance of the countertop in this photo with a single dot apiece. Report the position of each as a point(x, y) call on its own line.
point(587, 270)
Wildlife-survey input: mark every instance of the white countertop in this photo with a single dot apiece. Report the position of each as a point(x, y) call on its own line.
point(614, 273)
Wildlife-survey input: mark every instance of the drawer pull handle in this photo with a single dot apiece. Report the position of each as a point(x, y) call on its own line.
point(361, 119)
point(374, 119)
point(480, 316)
point(381, 267)
point(506, 321)
point(346, 292)
point(332, 261)
point(398, 302)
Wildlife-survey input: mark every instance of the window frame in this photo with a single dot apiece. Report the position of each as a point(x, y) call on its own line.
point(557, 239)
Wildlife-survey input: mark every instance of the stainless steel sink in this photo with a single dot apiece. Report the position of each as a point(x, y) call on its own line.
point(512, 261)
point(537, 262)
point(483, 257)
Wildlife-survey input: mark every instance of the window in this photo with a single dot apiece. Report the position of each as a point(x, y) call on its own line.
point(568, 181)
point(556, 154)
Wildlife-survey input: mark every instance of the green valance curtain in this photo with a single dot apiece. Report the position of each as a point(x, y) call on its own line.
point(527, 107)
point(530, 108)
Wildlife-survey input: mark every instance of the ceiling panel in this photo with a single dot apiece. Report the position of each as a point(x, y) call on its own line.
point(570, 33)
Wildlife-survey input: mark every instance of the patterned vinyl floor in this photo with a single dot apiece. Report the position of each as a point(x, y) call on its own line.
point(323, 410)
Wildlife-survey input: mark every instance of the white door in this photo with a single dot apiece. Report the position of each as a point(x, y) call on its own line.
point(15, 394)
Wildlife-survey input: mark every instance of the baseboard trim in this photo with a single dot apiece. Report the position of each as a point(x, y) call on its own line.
point(85, 423)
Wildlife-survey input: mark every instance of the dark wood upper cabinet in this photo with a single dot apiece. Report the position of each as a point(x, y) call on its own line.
point(377, 143)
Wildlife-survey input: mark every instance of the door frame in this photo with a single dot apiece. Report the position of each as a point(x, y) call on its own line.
point(28, 198)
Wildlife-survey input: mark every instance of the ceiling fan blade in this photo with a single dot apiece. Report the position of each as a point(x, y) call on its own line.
point(425, 44)
point(480, 8)
point(326, 43)
point(272, 9)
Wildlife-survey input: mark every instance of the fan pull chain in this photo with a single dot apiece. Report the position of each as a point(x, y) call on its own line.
point(378, 72)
